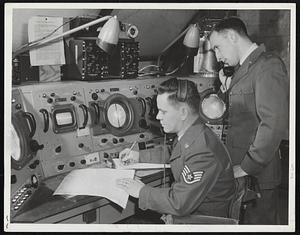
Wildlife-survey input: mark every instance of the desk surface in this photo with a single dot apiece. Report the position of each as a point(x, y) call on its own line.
point(43, 203)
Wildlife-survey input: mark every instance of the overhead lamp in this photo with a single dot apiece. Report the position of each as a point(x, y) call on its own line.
point(191, 39)
point(108, 36)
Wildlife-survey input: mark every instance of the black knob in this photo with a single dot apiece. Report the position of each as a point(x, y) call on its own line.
point(49, 100)
point(135, 92)
point(121, 140)
point(102, 90)
point(142, 135)
point(52, 94)
point(104, 140)
point(34, 181)
point(73, 98)
point(114, 140)
point(58, 149)
point(103, 125)
point(35, 146)
point(36, 162)
point(94, 96)
point(105, 155)
point(72, 164)
point(80, 145)
point(32, 166)
point(60, 167)
point(83, 161)
point(18, 106)
point(13, 179)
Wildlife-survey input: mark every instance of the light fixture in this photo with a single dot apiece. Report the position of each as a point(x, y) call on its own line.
point(108, 35)
point(191, 39)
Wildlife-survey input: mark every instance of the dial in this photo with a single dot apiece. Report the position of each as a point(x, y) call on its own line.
point(15, 144)
point(116, 115)
point(213, 107)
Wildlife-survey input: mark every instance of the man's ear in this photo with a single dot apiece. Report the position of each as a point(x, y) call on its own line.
point(232, 36)
point(184, 111)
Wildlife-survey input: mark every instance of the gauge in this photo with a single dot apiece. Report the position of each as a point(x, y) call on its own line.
point(20, 138)
point(15, 144)
point(64, 118)
point(212, 107)
point(119, 115)
point(116, 115)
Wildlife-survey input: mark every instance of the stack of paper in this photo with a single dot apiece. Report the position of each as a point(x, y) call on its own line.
point(96, 182)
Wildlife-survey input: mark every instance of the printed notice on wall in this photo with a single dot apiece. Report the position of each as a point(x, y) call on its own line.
point(42, 28)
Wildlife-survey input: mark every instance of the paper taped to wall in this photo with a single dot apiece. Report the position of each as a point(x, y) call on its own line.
point(53, 53)
point(96, 182)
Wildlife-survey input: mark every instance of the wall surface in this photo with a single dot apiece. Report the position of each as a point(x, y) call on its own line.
point(271, 27)
point(157, 28)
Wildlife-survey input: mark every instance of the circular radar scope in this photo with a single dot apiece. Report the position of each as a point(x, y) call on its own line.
point(212, 108)
point(119, 115)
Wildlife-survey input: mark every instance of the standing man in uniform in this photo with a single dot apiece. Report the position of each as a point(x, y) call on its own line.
point(204, 182)
point(258, 111)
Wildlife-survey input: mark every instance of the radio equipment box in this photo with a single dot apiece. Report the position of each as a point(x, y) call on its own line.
point(124, 62)
point(22, 71)
point(88, 62)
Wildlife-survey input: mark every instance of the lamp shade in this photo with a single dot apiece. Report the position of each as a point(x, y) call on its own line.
point(191, 39)
point(109, 35)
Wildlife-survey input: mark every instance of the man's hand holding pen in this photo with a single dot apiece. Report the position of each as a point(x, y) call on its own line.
point(129, 156)
point(131, 186)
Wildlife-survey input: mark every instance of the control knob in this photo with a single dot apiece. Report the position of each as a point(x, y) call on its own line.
point(94, 96)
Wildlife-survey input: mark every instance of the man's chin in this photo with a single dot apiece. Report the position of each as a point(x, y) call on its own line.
point(165, 129)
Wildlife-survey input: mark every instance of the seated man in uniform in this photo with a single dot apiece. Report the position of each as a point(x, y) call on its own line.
point(203, 175)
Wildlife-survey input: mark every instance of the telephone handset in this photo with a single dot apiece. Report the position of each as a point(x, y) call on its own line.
point(227, 70)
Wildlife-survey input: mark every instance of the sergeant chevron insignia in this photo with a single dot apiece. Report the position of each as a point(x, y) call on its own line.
point(191, 177)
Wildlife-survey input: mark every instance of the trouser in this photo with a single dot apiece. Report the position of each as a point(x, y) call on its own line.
point(262, 210)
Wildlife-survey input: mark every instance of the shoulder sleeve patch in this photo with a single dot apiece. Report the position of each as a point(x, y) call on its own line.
point(191, 177)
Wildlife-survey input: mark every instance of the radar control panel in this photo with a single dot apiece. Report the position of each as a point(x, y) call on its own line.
point(61, 126)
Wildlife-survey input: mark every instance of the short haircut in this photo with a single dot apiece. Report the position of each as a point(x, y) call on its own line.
point(232, 23)
point(170, 86)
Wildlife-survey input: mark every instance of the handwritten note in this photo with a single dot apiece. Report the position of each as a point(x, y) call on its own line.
point(51, 53)
point(96, 182)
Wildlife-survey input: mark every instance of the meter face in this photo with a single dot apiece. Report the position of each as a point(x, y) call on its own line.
point(15, 144)
point(213, 107)
point(116, 115)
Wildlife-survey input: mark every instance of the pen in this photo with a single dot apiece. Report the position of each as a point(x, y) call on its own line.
point(133, 144)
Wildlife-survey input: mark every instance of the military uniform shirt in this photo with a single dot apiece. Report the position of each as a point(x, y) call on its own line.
point(203, 177)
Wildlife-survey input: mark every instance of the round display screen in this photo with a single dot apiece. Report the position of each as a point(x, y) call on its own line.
point(15, 144)
point(116, 115)
point(213, 107)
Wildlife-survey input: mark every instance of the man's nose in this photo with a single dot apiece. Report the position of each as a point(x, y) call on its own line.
point(218, 56)
point(158, 116)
